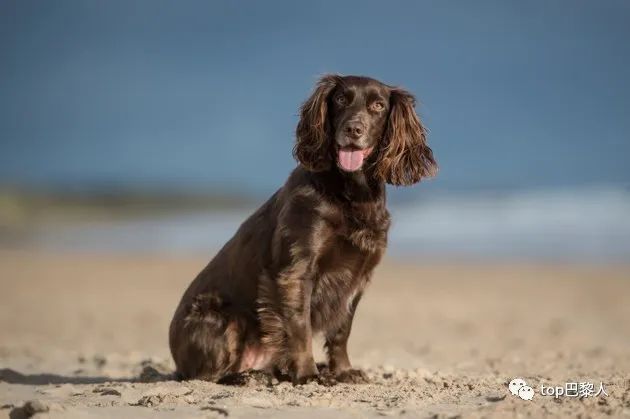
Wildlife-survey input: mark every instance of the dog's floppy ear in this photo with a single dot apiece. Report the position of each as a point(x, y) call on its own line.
point(405, 157)
point(312, 148)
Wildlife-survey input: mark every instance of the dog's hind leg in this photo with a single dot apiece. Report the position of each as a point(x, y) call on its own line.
point(207, 339)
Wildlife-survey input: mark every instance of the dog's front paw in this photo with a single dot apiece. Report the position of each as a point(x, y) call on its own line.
point(305, 379)
point(352, 376)
point(304, 372)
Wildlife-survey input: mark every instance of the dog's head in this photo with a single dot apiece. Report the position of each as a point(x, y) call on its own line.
point(359, 123)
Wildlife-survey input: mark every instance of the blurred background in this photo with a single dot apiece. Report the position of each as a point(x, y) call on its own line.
point(155, 126)
point(136, 136)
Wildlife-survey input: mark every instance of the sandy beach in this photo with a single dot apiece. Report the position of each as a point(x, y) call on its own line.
point(85, 335)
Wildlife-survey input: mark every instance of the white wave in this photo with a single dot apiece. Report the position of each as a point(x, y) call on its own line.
point(581, 224)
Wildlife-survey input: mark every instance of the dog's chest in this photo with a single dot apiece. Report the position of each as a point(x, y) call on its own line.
point(366, 227)
point(341, 276)
point(345, 269)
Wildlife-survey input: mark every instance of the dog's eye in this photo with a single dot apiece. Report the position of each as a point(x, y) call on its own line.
point(341, 100)
point(378, 106)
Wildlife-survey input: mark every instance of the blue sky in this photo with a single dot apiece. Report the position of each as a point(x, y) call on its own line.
point(204, 95)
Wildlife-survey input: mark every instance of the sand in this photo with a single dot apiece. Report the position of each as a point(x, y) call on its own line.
point(86, 336)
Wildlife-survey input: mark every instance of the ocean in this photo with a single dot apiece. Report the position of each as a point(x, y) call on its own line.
point(584, 224)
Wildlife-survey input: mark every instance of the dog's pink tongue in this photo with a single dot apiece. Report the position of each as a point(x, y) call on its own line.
point(350, 160)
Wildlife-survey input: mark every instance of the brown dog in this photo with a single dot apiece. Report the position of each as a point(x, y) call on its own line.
point(300, 263)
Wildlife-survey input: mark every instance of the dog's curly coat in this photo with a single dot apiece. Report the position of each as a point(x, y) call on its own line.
point(300, 263)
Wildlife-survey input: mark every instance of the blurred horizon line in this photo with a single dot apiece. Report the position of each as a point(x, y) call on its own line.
point(589, 224)
point(240, 192)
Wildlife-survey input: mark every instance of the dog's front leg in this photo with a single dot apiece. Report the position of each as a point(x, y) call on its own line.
point(295, 290)
point(337, 349)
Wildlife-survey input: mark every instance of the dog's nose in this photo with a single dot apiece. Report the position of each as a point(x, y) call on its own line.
point(354, 129)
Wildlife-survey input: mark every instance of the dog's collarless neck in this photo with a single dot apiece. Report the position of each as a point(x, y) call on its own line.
point(352, 187)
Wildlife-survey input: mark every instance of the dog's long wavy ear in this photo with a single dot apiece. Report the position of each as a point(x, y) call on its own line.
point(405, 158)
point(312, 146)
